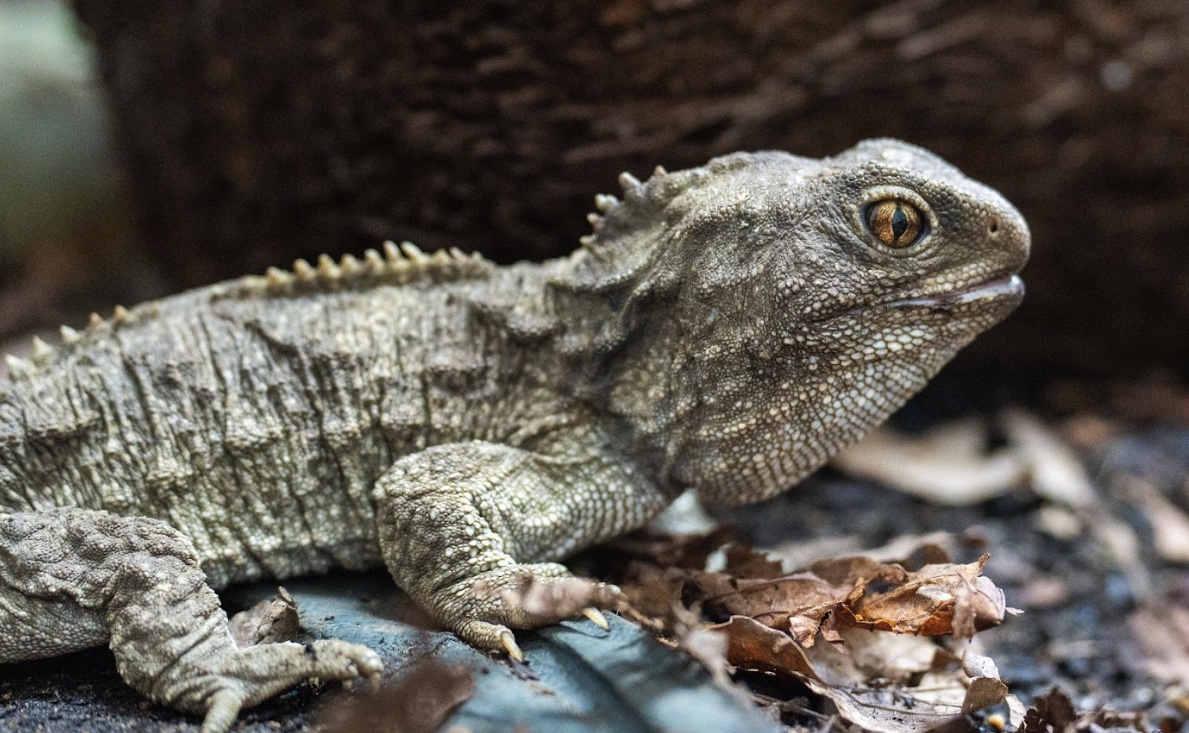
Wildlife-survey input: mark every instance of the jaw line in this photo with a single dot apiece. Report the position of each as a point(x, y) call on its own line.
point(1006, 287)
point(1001, 288)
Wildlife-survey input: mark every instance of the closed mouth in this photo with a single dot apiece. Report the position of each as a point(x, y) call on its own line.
point(1011, 287)
point(1003, 289)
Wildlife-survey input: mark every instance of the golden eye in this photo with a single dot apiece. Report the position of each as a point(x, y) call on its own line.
point(894, 223)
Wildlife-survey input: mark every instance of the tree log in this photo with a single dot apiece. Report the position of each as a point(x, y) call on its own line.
point(256, 132)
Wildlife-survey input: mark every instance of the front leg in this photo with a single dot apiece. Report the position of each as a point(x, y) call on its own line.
point(466, 528)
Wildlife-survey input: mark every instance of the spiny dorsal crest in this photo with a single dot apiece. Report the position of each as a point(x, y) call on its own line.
point(43, 354)
point(40, 355)
point(646, 203)
point(401, 265)
point(642, 204)
point(397, 266)
point(627, 232)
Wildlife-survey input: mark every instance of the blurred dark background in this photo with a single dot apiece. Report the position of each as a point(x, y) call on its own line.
point(251, 133)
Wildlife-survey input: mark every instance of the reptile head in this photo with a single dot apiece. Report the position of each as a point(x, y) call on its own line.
point(804, 301)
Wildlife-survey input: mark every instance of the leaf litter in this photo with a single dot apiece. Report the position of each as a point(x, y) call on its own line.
point(269, 621)
point(1088, 513)
point(886, 641)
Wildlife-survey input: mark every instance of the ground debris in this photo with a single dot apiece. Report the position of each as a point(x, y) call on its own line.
point(952, 465)
point(894, 661)
point(937, 599)
point(271, 620)
point(418, 702)
point(1161, 629)
point(949, 464)
point(1054, 712)
point(1090, 538)
point(879, 681)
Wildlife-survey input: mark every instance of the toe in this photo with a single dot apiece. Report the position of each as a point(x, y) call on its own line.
point(340, 660)
point(597, 618)
point(508, 641)
point(492, 637)
point(606, 596)
point(222, 711)
point(543, 603)
point(482, 609)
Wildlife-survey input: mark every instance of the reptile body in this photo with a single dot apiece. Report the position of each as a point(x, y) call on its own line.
point(725, 328)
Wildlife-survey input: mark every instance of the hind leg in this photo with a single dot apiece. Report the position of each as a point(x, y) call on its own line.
point(72, 578)
point(35, 628)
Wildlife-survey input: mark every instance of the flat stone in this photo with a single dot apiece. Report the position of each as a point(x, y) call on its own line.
point(578, 678)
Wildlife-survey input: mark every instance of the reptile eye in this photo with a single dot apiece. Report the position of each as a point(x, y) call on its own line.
point(894, 223)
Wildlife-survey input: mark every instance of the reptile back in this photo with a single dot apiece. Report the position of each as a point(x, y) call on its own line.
point(258, 423)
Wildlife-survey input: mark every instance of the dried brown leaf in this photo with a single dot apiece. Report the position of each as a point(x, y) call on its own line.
point(1052, 712)
point(947, 465)
point(936, 600)
point(1170, 525)
point(1162, 630)
point(886, 683)
point(1055, 471)
point(985, 688)
point(752, 645)
point(269, 621)
point(796, 602)
point(419, 702)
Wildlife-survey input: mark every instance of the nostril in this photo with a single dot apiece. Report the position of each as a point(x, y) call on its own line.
point(993, 225)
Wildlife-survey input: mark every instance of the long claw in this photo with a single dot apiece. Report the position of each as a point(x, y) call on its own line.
point(510, 645)
point(597, 617)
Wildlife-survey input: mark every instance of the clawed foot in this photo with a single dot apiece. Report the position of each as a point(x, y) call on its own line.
point(245, 677)
point(483, 610)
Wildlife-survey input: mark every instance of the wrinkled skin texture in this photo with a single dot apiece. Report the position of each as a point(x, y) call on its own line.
point(725, 328)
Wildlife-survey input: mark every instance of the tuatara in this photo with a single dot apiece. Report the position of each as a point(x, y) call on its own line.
point(725, 328)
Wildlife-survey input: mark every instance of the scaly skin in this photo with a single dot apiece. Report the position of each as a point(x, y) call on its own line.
point(725, 328)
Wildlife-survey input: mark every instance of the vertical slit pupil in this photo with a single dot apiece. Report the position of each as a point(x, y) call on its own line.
point(899, 222)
